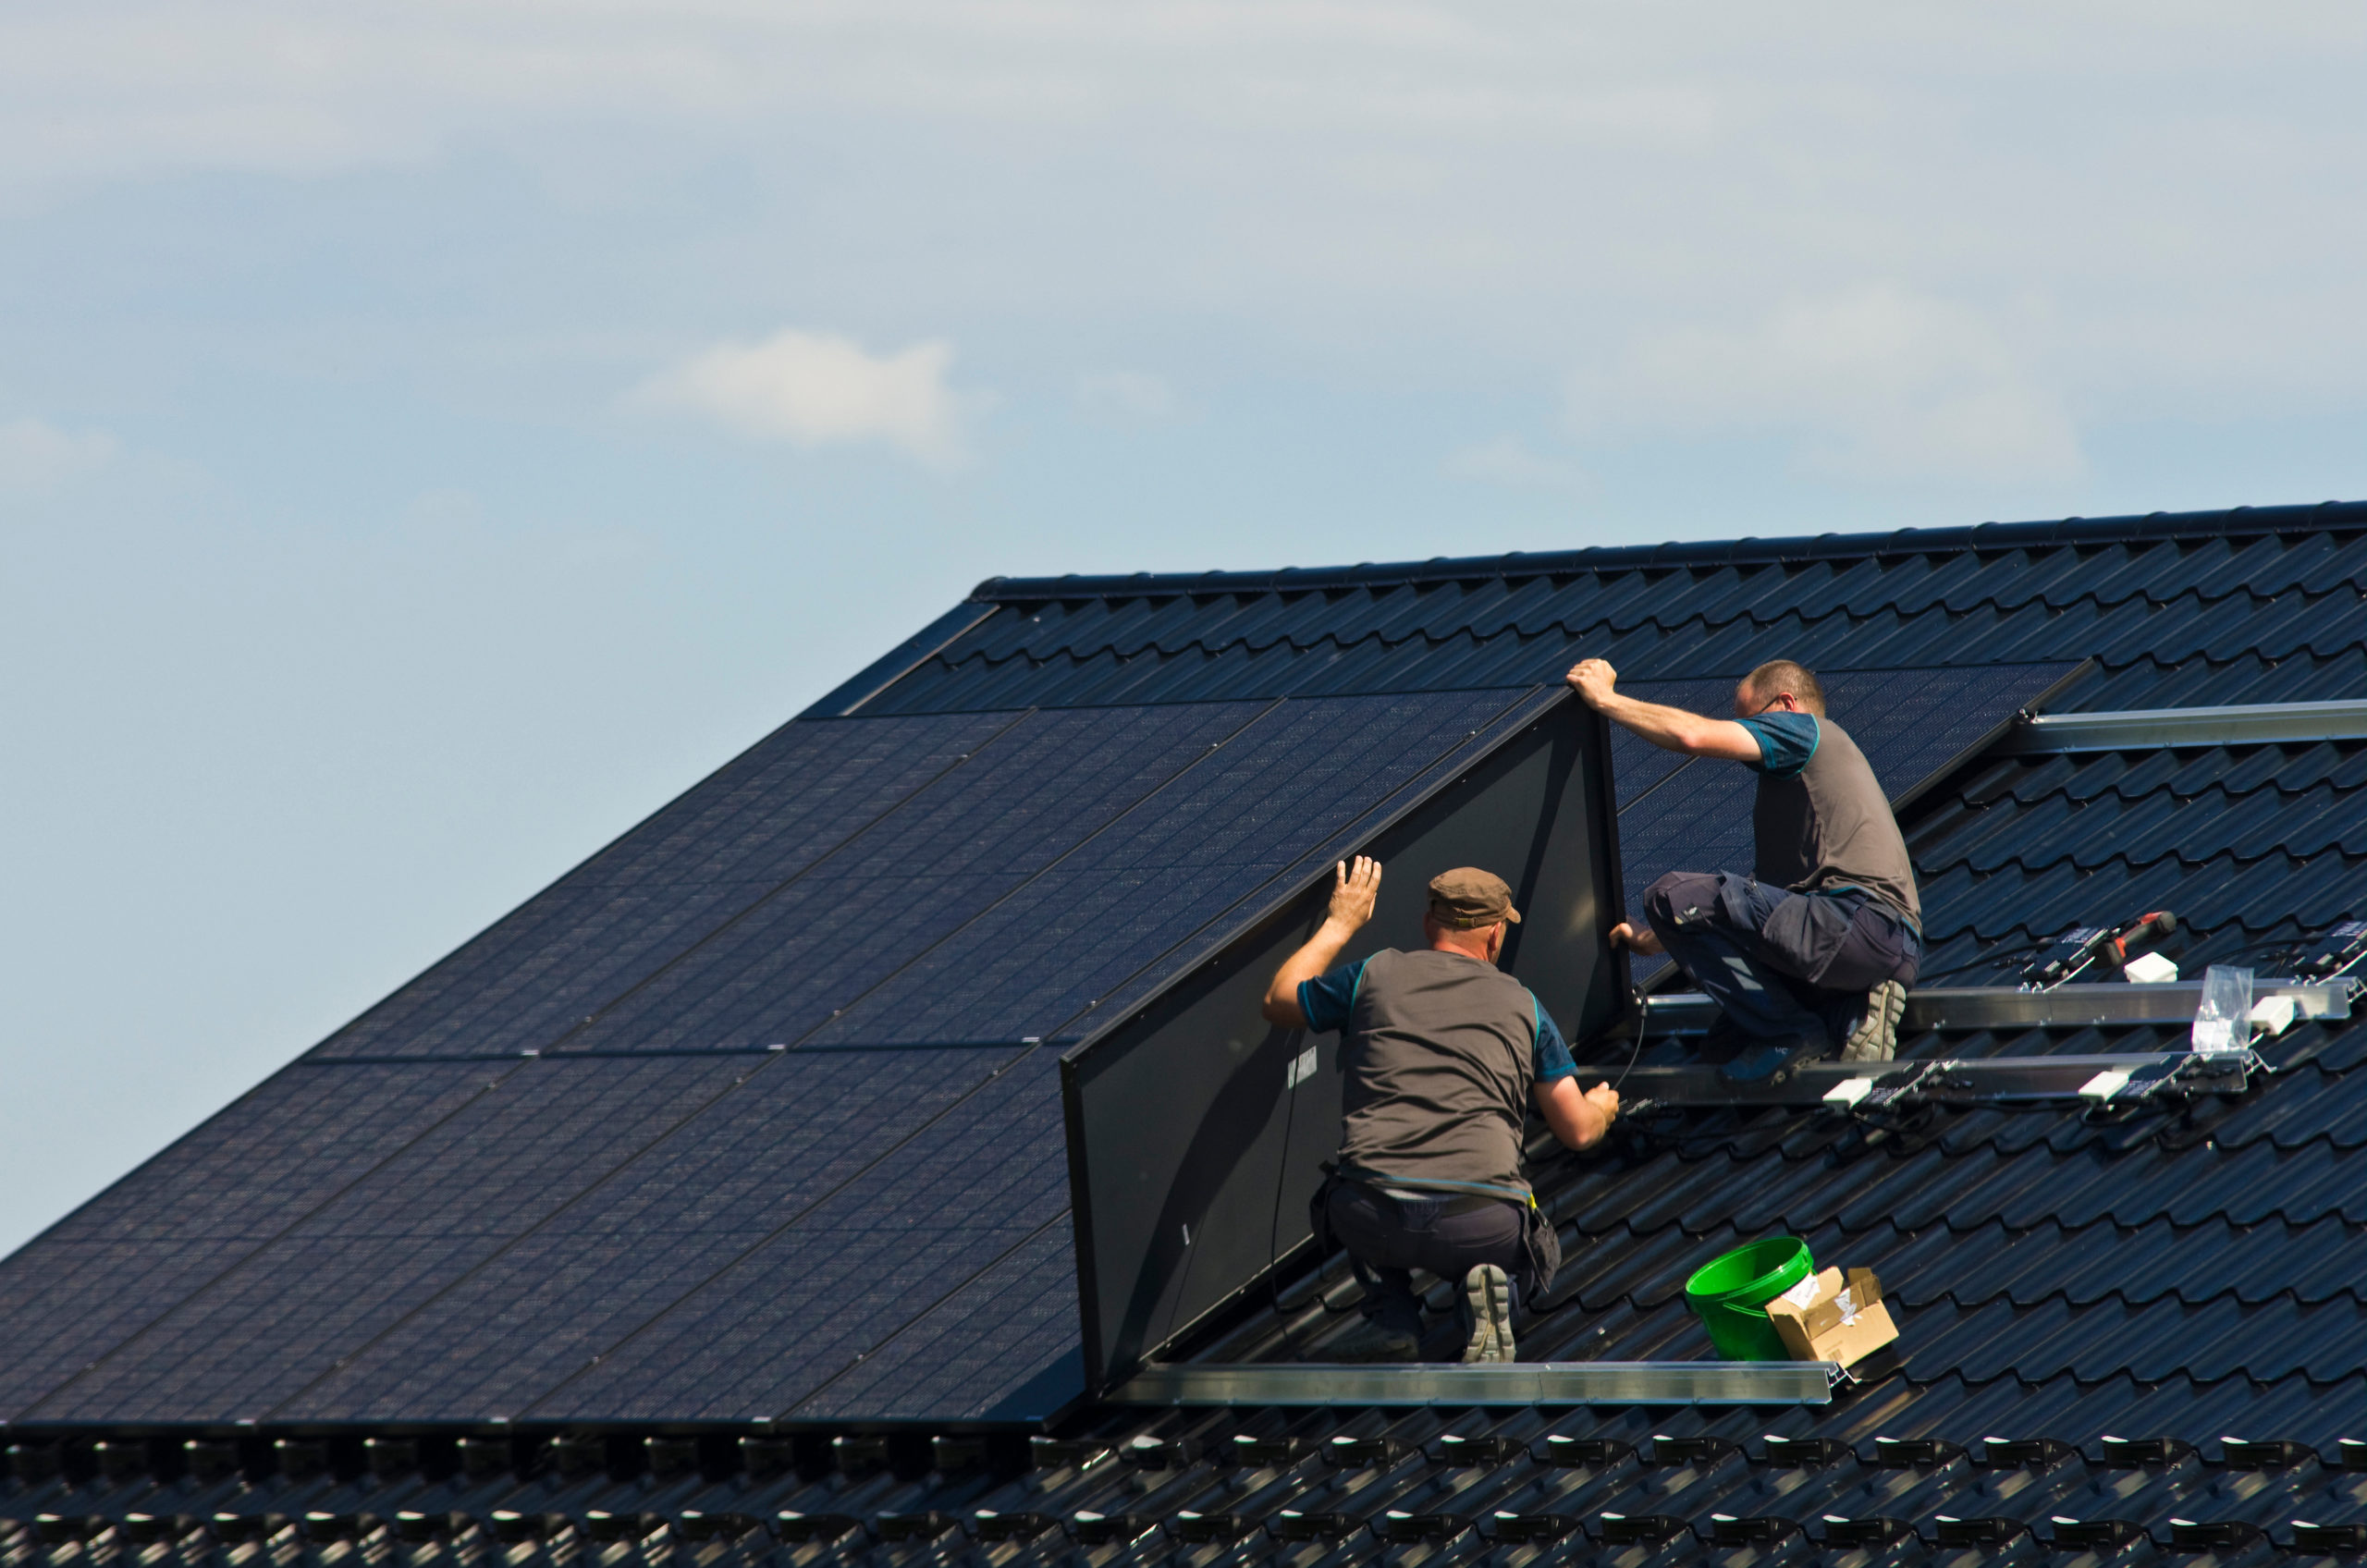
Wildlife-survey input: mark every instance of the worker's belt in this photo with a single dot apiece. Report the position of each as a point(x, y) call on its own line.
point(1867, 896)
point(1472, 1194)
point(1540, 1247)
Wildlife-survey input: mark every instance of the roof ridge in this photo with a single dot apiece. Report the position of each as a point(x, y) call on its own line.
point(2227, 522)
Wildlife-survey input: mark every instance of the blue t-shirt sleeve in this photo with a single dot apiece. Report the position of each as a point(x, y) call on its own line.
point(1787, 740)
point(1553, 1059)
point(1327, 999)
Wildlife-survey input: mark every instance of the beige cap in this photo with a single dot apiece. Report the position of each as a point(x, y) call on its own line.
point(1467, 897)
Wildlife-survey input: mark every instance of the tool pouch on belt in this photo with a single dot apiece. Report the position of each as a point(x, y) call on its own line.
point(1541, 1245)
point(1810, 937)
point(1825, 938)
point(1318, 1211)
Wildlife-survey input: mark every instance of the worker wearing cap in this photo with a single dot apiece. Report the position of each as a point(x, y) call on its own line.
point(1440, 1055)
point(1811, 955)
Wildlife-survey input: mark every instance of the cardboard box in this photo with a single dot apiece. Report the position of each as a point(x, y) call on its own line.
point(1829, 1317)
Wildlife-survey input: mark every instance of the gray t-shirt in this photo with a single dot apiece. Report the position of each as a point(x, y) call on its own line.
point(1821, 820)
point(1436, 1054)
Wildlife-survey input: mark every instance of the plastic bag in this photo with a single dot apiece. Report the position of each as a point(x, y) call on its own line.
point(2224, 1022)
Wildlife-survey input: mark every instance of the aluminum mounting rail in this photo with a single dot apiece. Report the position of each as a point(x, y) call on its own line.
point(2145, 729)
point(2121, 1079)
point(1518, 1382)
point(2065, 1007)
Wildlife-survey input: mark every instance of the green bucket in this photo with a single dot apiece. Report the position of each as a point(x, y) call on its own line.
point(1730, 1294)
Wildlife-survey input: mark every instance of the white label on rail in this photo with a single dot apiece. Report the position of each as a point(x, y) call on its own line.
point(2103, 1085)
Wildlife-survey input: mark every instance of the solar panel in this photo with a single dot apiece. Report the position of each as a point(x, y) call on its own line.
point(1042, 962)
point(999, 1347)
point(415, 1225)
point(763, 818)
point(164, 1233)
point(801, 1126)
point(989, 1176)
point(941, 860)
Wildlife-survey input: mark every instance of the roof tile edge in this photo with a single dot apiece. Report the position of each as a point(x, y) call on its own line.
point(2149, 528)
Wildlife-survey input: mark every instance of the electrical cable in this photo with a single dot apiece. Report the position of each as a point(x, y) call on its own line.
point(1274, 1222)
point(1988, 957)
point(1635, 1052)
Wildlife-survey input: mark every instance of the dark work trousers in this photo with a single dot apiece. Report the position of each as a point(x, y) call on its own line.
point(1386, 1238)
point(1781, 965)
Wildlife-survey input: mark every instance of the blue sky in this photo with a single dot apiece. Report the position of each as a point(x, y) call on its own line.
point(432, 435)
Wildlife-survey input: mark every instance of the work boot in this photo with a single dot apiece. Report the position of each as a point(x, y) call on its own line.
point(1372, 1340)
point(1723, 1041)
point(1487, 1314)
point(1874, 1037)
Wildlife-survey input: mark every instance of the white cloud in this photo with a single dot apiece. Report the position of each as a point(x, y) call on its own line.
point(1127, 394)
point(816, 389)
point(38, 456)
point(1507, 461)
point(1874, 384)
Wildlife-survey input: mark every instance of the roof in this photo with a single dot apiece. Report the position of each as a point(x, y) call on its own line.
point(2187, 1276)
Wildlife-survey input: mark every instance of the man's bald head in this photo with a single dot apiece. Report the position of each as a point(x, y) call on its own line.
point(1769, 684)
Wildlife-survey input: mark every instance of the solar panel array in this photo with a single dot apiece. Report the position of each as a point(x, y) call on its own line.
point(753, 1115)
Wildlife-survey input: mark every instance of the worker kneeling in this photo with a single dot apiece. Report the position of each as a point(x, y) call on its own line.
point(1812, 954)
point(1440, 1053)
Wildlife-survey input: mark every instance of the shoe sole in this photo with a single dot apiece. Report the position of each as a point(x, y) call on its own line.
point(1876, 1036)
point(1487, 1296)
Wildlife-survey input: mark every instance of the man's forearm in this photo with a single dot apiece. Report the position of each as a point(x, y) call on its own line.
point(1570, 1116)
point(1672, 729)
point(1355, 886)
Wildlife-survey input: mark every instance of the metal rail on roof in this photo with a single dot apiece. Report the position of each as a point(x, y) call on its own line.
point(2065, 1007)
point(2120, 1078)
point(2149, 729)
point(1520, 1382)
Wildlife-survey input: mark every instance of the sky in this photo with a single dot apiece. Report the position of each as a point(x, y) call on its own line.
point(434, 435)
